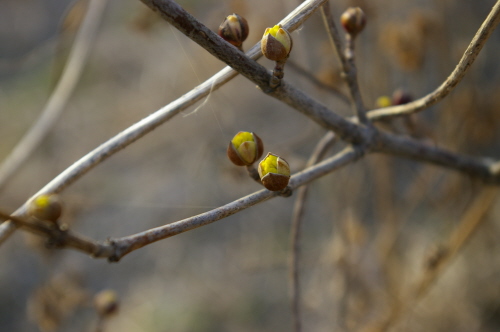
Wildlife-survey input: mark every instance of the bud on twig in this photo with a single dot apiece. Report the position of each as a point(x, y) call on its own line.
point(46, 207)
point(274, 172)
point(106, 303)
point(401, 97)
point(276, 45)
point(353, 20)
point(234, 30)
point(245, 148)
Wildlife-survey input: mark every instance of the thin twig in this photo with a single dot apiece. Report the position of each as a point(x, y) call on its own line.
point(455, 77)
point(297, 217)
point(303, 72)
point(60, 238)
point(61, 94)
point(291, 22)
point(347, 61)
point(347, 130)
point(436, 265)
point(115, 249)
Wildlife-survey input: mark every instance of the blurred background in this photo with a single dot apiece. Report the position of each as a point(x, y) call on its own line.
point(375, 233)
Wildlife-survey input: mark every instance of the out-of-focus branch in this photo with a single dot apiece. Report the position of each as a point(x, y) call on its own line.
point(455, 77)
point(60, 238)
point(437, 263)
point(115, 249)
point(148, 124)
point(61, 94)
point(321, 148)
point(303, 72)
point(347, 61)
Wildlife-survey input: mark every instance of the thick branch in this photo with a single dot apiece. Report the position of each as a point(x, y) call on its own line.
point(455, 77)
point(406, 147)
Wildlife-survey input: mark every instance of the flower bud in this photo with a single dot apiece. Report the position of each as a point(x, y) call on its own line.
point(276, 43)
point(106, 303)
point(245, 148)
point(234, 30)
point(383, 101)
point(274, 172)
point(46, 207)
point(353, 20)
point(401, 97)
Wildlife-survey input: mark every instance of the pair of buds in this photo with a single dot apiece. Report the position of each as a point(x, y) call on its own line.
point(276, 42)
point(246, 148)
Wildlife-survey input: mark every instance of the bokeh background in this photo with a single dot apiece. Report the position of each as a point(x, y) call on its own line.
point(370, 230)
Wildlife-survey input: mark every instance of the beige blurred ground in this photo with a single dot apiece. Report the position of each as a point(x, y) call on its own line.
point(368, 228)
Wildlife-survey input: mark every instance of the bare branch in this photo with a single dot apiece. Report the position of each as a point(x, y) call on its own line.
point(297, 217)
point(349, 70)
point(61, 94)
point(437, 263)
point(406, 147)
point(148, 124)
point(300, 70)
point(455, 77)
point(127, 244)
point(60, 238)
point(115, 249)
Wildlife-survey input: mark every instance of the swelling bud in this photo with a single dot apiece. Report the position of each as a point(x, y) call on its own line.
point(274, 172)
point(353, 20)
point(245, 148)
point(234, 30)
point(276, 43)
point(46, 207)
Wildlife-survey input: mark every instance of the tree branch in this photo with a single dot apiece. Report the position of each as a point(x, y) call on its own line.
point(148, 124)
point(321, 148)
point(455, 77)
point(61, 94)
point(347, 61)
point(115, 249)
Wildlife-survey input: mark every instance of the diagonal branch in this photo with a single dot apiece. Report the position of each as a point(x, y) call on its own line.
point(148, 124)
point(115, 249)
point(61, 94)
point(326, 142)
point(455, 77)
point(346, 130)
point(349, 69)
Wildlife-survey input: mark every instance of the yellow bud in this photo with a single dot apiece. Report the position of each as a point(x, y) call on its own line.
point(276, 43)
point(106, 302)
point(274, 172)
point(383, 101)
point(46, 207)
point(245, 148)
